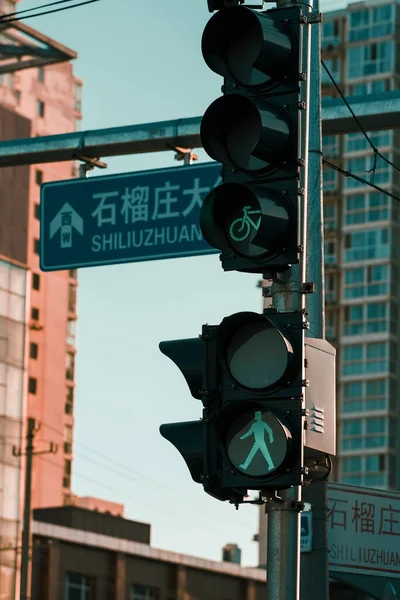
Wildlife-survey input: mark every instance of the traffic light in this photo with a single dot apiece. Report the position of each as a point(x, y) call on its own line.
point(255, 131)
point(260, 422)
point(251, 433)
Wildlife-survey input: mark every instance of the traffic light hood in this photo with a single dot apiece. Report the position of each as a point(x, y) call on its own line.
point(248, 134)
point(254, 352)
point(247, 47)
point(188, 356)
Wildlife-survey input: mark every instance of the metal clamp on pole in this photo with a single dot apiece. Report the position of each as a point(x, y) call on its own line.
point(88, 164)
point(184, 154)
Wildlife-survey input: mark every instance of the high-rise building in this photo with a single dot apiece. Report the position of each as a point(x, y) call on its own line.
point(37, 310)
point(361, 49)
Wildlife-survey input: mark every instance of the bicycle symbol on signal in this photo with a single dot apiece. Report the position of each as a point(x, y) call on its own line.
point(241, 227)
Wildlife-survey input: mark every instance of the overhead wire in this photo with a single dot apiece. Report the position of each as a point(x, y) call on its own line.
point(26, 10)
point(7, 19)
point(376, 151)
point(131, 474)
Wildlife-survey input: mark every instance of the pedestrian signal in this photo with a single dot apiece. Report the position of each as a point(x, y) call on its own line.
point(247, 371)
point(260, 420)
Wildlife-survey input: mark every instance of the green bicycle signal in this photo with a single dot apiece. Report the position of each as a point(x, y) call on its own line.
point(241, 228)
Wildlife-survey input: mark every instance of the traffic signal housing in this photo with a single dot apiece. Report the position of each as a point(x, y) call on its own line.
point(255, 131)
point(250, 436)
point(260, 422)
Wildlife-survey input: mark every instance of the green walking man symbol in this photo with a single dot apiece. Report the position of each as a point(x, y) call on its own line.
point(258, 429)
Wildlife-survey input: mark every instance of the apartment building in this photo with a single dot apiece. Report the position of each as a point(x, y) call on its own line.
point(360, 47)
point(37, 310)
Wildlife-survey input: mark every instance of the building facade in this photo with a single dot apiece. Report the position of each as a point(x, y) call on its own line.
point(37, 310)
point(360, 47)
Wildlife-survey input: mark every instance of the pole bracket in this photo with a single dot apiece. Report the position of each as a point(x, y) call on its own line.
point(184, 154)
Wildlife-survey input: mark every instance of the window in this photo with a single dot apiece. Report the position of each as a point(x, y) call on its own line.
point(72, 298)
point(359, 359)
point(352, 397)
point(69, 402)
point(368, 432)
point(39, 177)
point(363, 166)
point(67, 439)
point(330, 288)
point(330, 146)
point(41, 74)
point(67, 474)
point(330, 252)
point(366, 208)
point(40, 108)
point(35, 314)
point(330, 33)
point(330, 324)
point(364, 470)
point(366, 318)
point(330, 221)
point(363, 396)
point(356, 142)
point(33, 350)
point(366, 245)
point(371, 23)
point(70, 366)
point(36, 281)
point(352, 464)
point(333, 64)
point(37, 211)
point(330, 179)
point(79, 587)
point(32, 385)
point(71, 332)
point(143, 592)
point(370, 59)
point(36, 246)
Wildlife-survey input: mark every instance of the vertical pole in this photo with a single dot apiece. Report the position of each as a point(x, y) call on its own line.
point(315, 250)
point(283, 528)
point(25, 552)
point(314, 565)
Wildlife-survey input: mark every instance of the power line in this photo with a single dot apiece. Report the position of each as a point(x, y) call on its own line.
point(376, 151)
point(20, 12)
point(360, 179)
point(5, 19)
point(133, 475)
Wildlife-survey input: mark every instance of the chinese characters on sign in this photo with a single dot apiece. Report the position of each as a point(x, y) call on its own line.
point(125, 218)
point(364, 530)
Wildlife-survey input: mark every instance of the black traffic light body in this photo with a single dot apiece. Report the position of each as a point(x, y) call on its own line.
point(254, 130)
point(196, 440)
point(260, 422)
point(251, 432)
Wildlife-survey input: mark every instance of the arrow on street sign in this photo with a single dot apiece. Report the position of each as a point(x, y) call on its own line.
point(65, 220)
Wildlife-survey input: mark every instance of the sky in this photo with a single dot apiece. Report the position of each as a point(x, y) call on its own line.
point(141, 62)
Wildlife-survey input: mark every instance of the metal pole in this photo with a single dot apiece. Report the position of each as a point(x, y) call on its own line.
point(283, 527)
point(25, 551)
point(314, 565)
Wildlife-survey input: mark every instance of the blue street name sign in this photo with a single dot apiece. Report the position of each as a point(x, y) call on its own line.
point(129, 217)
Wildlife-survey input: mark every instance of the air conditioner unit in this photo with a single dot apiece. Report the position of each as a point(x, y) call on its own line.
point(35, 326)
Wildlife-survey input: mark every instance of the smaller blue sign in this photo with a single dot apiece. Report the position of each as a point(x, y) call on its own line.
point(129, 217)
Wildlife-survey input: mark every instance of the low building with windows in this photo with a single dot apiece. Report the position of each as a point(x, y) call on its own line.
point(80, 554)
